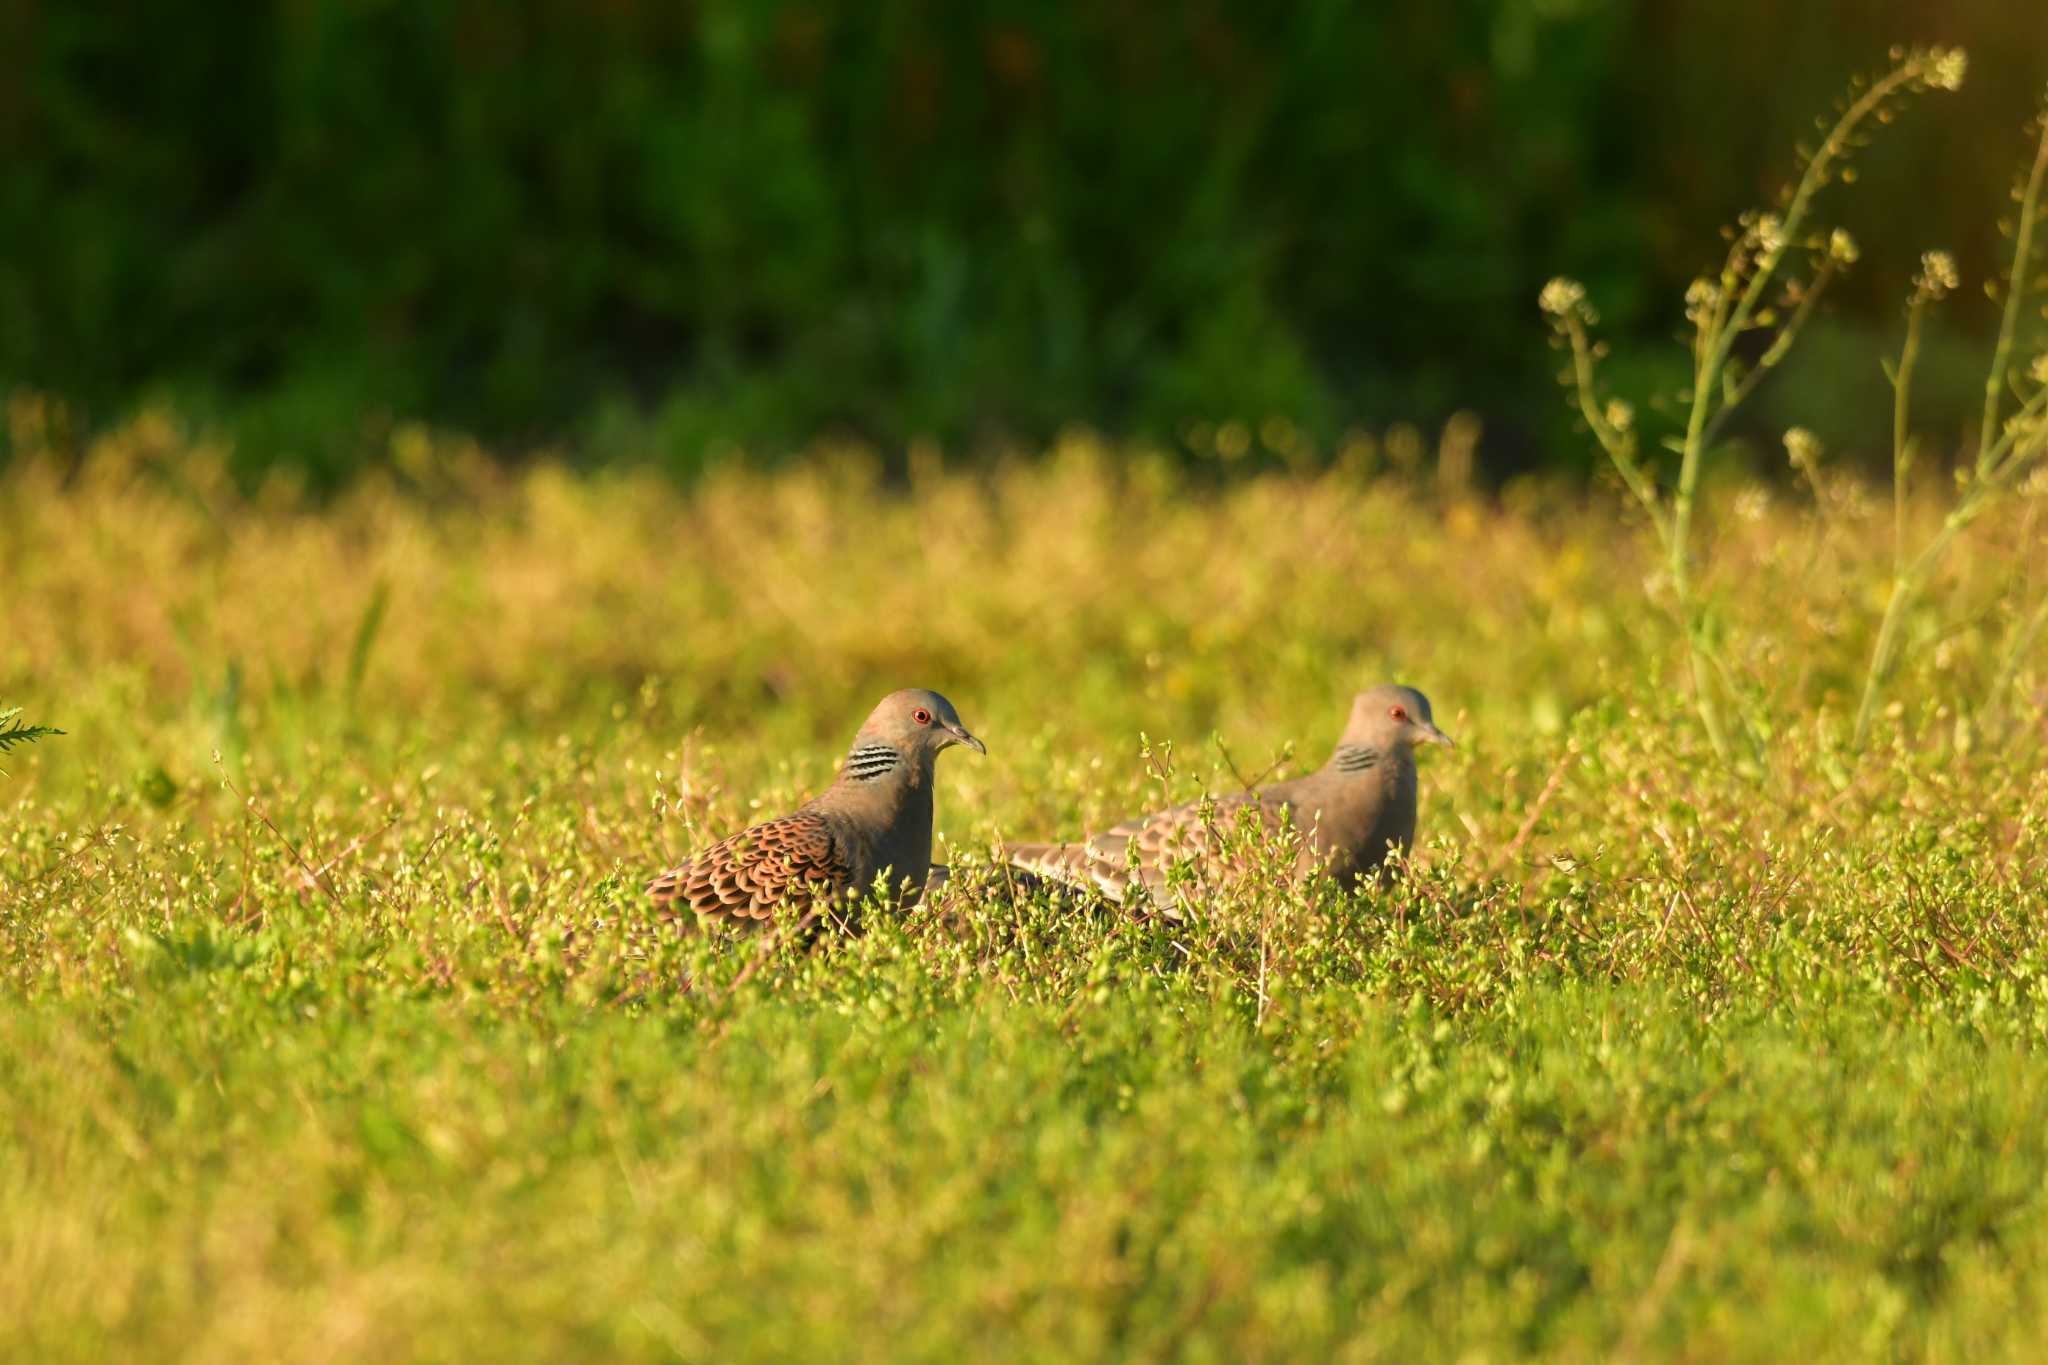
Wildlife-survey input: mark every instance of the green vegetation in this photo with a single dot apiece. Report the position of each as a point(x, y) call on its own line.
point(332, 1022)
point(661, 230)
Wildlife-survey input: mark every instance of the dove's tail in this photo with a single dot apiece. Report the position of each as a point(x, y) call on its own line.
point(1074, 865)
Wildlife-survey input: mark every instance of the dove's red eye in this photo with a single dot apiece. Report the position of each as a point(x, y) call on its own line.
point(921, 716)
point(1397, 713)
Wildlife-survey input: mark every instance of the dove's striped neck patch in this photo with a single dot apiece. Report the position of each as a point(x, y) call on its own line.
point(1354, 758)
point(870, 761)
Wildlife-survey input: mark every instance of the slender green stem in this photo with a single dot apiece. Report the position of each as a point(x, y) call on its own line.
point(2015, 295)
point(1906, 587)
point(1621, 451)
point(1811, 473)
point(2023, 438)
point(2016, 650)
point(2009, 455)
point(1703, 696)
point(1619, 445)
point(1905, 583)
point(1902, 436)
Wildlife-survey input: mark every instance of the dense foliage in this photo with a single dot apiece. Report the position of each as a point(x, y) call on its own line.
point(333, 1024)
point(671, 227)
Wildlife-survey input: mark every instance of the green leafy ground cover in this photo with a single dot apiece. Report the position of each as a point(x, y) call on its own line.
point(355, 1041)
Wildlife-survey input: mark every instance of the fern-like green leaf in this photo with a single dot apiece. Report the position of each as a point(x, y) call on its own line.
point(13, 732)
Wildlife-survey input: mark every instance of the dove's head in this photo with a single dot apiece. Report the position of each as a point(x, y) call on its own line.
point(1392, 717)
point(917, 723)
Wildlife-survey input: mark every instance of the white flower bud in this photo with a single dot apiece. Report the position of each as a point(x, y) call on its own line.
point(1802, 447)
point(1938, 275)
point(1562, 297)
point(1948, 67)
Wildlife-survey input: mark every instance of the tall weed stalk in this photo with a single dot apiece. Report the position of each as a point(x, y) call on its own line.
point(1778, 265)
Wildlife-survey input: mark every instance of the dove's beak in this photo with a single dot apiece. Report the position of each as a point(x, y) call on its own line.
point(960, 735)
point(1435, 736)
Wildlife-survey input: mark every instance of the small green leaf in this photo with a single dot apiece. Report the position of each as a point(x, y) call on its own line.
point(156, 786)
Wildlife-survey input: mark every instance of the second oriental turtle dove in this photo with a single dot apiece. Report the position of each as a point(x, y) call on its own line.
point(1351, 813)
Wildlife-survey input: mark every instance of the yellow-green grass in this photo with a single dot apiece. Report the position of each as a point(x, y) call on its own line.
point(356, 1041)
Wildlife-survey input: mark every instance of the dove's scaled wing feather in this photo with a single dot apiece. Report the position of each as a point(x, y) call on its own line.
point(1195, 833)
point(791, 860)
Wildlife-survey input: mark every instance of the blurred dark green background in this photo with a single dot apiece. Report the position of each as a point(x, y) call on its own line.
point(660, 229)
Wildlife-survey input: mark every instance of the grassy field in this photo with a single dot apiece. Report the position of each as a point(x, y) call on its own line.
point(333, 1025)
